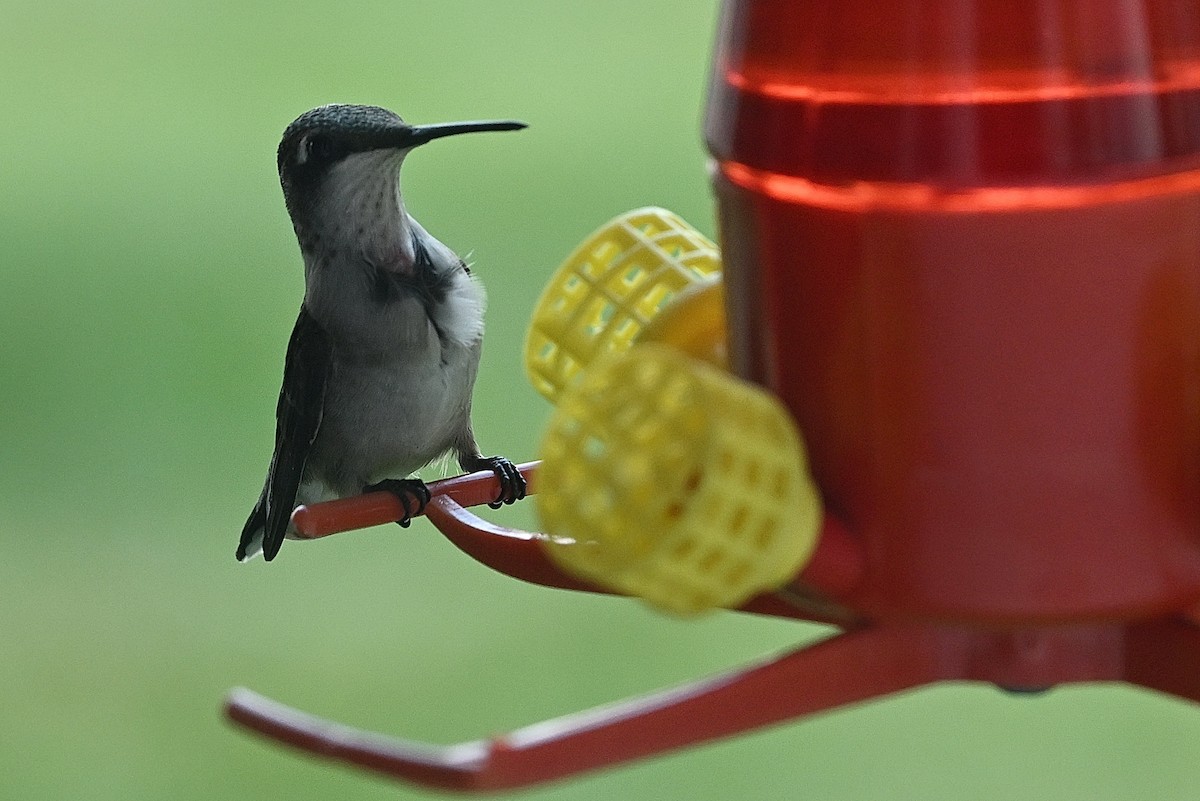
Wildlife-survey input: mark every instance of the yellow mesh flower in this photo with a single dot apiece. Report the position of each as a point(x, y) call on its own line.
point(675, 482)
point(609, 289)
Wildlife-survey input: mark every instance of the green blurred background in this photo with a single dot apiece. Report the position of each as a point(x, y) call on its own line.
point(148, 281)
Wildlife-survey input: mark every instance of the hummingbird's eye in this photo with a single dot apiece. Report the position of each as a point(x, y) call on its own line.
point(314, 147)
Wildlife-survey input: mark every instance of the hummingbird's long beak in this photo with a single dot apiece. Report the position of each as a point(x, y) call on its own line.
point(420, 134)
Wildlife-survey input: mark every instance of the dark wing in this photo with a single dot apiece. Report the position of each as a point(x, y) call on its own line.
point(298, 417)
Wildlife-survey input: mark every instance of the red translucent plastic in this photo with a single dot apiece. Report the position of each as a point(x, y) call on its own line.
point(964, 248)
point(961, 94)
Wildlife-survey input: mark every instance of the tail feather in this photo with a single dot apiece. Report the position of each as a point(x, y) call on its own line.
point(251, 543)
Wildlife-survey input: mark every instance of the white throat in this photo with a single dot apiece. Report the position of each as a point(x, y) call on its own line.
point(363, 219)
point(361, 210)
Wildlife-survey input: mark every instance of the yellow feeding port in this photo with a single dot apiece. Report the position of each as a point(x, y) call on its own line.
point(693, 322)
point(609, 289)
point(670, 480)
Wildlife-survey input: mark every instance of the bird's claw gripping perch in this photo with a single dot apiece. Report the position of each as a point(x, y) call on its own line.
point(512, 483)
point(412, 494)
point(382, 503)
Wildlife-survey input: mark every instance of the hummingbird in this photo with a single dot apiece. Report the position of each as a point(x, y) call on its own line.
point(382, 360)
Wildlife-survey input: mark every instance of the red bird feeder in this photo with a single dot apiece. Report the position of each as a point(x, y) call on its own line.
point(962, 250)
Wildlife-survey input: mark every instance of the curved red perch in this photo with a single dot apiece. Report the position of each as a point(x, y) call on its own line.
point(833, 570)
point(844, 669)
point(841, 670)
point(378, 508)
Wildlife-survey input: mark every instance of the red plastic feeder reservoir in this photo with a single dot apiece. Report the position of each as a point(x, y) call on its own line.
point(964, 248)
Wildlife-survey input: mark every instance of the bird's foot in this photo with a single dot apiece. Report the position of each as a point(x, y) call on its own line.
point(411, 492)
point(512, 483)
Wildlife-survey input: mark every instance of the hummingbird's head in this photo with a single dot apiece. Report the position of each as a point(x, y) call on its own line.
point(320, 140)
point(339, 166)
